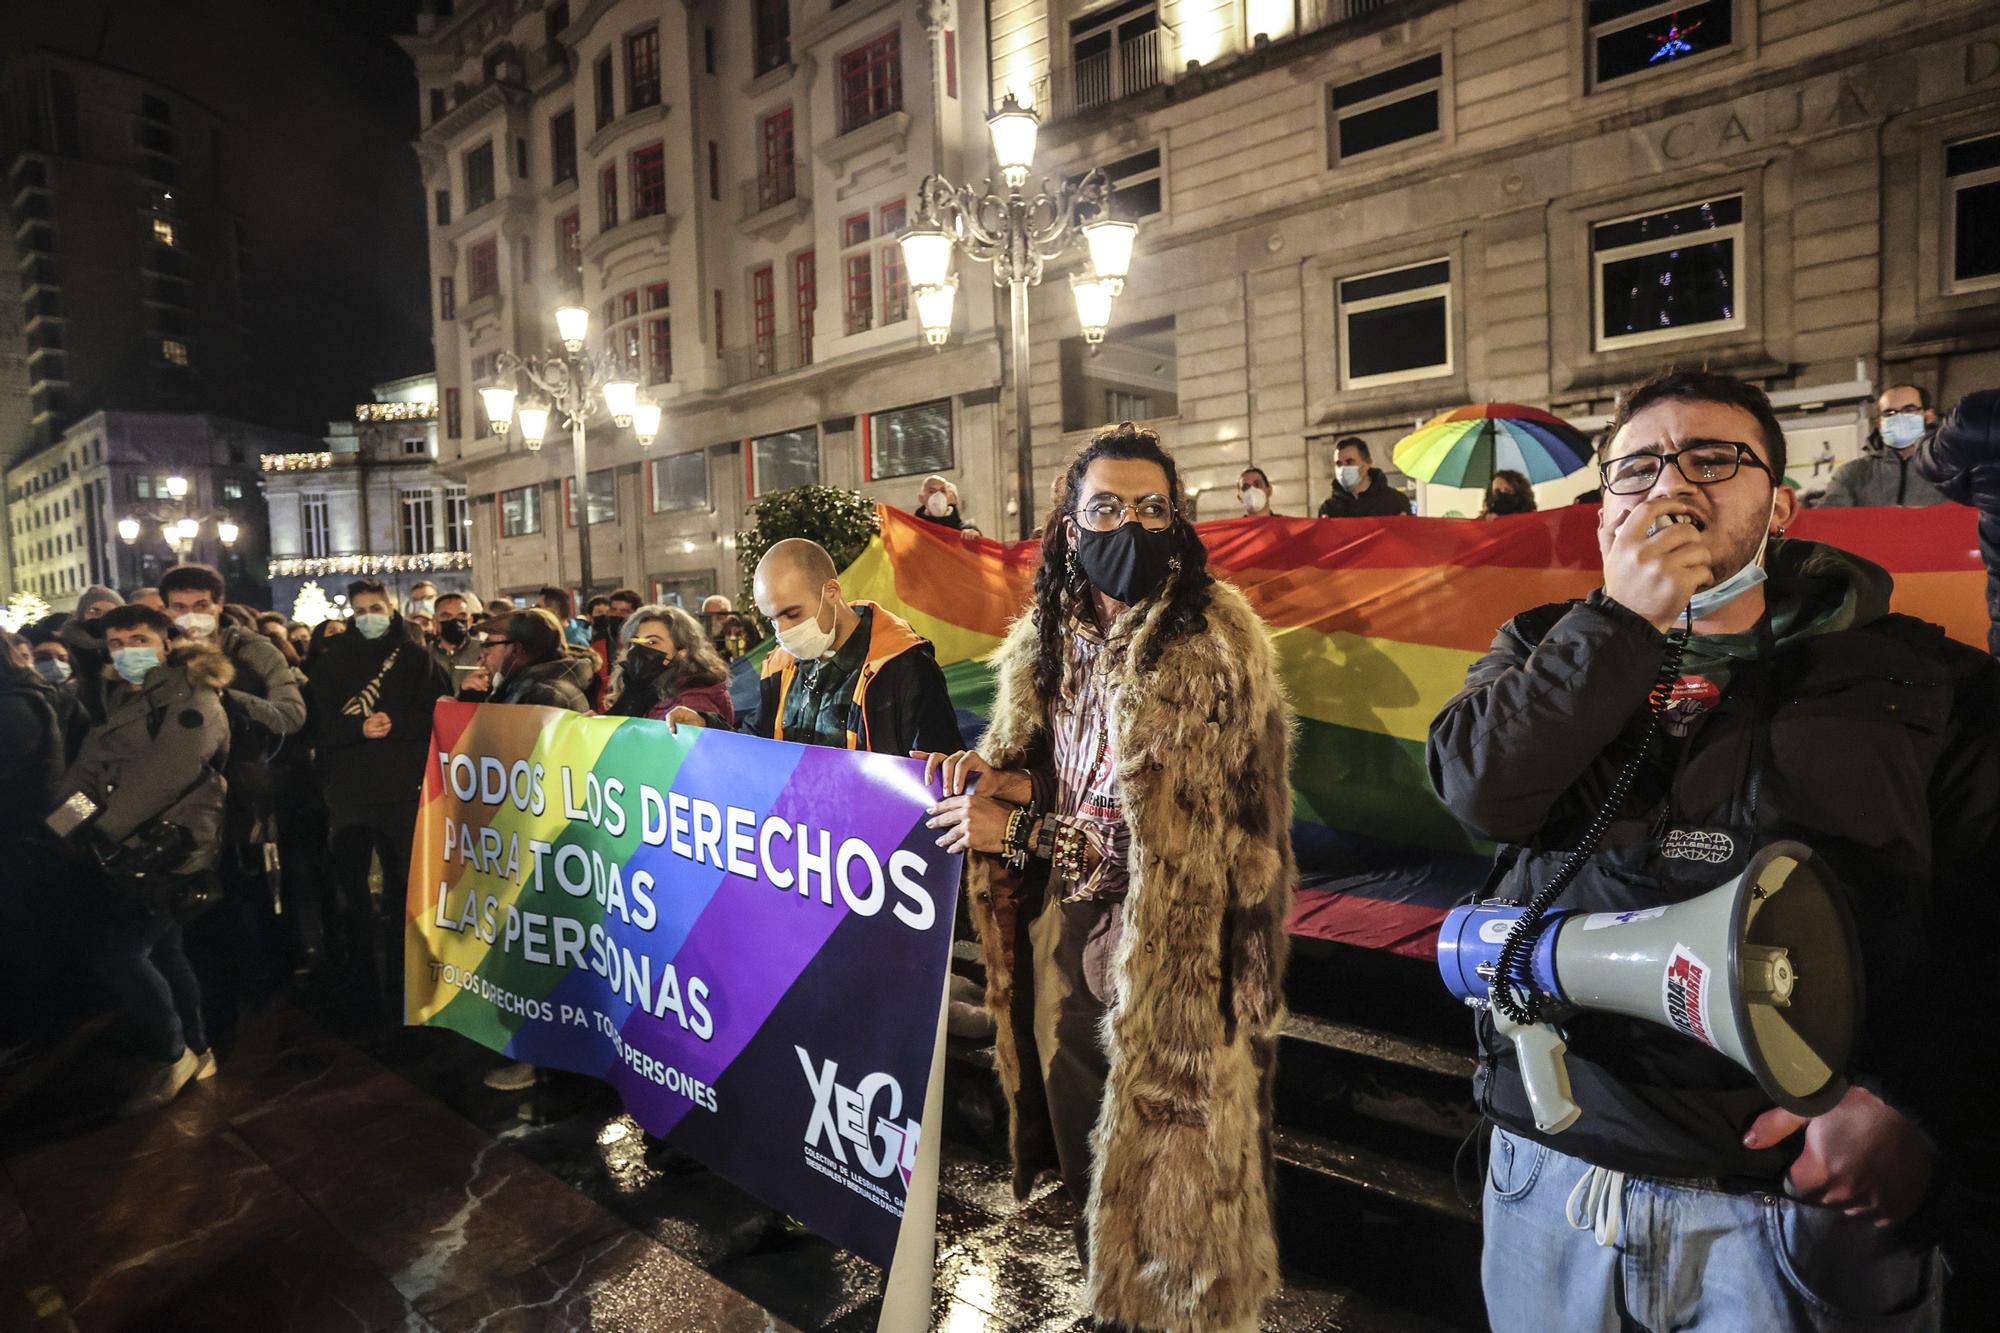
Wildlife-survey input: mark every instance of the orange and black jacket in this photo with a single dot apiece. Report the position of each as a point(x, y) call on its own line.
point(900, 701)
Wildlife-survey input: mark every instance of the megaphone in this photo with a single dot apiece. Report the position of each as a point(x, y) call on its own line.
point(1765, 969)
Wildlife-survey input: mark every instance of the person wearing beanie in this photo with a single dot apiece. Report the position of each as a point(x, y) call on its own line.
point(96, 600)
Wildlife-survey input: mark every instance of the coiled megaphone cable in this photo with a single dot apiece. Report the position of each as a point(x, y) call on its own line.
point(1514, 993)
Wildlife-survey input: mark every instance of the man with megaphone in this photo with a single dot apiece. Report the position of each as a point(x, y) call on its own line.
point(1749, 824)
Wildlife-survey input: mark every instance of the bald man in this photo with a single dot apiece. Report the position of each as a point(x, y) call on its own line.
point(845, 674)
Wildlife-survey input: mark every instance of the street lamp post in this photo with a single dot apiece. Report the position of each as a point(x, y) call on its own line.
point(179, 526)
point(1017, 233)
point(571, 383)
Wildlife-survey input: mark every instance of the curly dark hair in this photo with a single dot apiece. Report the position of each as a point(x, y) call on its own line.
point(1061, 593)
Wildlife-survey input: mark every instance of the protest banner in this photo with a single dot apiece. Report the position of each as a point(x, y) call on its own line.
point(747, 939)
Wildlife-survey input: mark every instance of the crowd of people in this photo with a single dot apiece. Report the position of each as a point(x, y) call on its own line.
point(234, 794)
point(1126, 821)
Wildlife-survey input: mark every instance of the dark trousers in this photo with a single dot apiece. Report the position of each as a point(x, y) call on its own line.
point(368, 944)
point(138, 954)
point(1077, 940)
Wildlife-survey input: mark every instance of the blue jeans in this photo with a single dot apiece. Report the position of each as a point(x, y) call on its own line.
point(1685, 1256)
point(138, 954)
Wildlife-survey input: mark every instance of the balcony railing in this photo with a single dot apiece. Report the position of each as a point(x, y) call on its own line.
point(1132, 66)
point(765, 357)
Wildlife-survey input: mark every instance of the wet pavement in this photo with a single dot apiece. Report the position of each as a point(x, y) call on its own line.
point(332, 1177)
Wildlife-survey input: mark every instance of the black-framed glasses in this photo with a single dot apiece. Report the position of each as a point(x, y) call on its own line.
point(1706, 463)
point(1108, 513)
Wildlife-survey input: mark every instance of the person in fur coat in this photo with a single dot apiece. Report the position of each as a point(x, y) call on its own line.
point(1127, 819)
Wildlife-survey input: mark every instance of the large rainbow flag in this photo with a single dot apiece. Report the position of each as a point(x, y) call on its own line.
point(1376, 622)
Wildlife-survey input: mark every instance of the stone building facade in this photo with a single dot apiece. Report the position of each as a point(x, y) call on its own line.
point(369, 501)
point(1353, 214)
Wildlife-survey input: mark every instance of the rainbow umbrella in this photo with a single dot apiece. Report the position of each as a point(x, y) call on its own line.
point(1467, 445)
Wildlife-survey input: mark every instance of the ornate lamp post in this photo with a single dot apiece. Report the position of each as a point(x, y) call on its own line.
point(179, 527)
point(1017, 233)
point(570, 383)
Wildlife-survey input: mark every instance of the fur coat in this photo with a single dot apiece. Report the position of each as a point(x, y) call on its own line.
point(1179, 1215)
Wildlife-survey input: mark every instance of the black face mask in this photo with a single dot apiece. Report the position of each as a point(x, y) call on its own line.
point(452, 632)
point(1507, 502)
point(1128, 565)
point(644, 663)
point(605, 626)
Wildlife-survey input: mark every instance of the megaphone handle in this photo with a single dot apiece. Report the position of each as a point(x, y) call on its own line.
point(1539, 1051)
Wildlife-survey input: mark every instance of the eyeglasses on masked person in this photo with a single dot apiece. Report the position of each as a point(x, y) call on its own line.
point(1108, 513)
point(1702, 462)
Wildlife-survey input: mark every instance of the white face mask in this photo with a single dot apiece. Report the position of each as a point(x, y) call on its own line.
point(806, 641)
point(938, 505)
point(197, 623)
point(1712, 599)
point(1902, 429)
point(1349, 476)
point(1253, 499)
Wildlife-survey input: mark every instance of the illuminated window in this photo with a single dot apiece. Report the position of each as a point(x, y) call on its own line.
point(163, 232)
point(1630, 37)
point(314, 528)
point(174, 351)
point(520, 511)
point(1677, 273)
point(602, 498)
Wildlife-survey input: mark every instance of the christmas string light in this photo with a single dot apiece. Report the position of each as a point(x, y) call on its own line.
point(430, 562)
point(305, 462)
point(421, 411)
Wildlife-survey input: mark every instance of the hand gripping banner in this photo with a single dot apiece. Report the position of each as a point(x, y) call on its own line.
point(748, 939)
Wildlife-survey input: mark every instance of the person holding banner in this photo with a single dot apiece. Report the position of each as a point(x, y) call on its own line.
point(850, 675)
point(1128, 823)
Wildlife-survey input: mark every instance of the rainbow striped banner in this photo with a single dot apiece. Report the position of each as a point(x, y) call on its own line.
point(1376, 622)
point(747, 938)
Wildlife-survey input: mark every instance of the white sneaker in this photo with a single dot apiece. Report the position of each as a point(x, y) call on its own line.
point(207, 1068)
point(510, 1078)
point(161, 1086)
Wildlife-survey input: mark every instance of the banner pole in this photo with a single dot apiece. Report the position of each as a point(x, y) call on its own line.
point(906, 1292)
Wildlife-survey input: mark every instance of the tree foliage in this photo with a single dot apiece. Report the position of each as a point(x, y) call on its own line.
point(841, 521)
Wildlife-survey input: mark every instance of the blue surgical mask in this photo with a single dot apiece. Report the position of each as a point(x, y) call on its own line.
point(54, 670)
point(372, 626)
point(135, 663)
point(1902, 430)
point(1710, 600)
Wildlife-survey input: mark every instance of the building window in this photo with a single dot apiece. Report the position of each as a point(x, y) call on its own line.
point(1132, 376)
point(163, 232)
point(714, 171)
point(1114, 53)
point(521, 511)
point(680, 482)
point(1394, 106)
point(173, 351)
point(764, 310)
point(569, 244)
point(770, 35)
point(479, 176)
point(642, 70)
point(805, 301)
point(437, 105)
point(441, 203)
point(447, 298)
point(871, 81)
point(520, 158)
point(562, 146)
point(708, 48)
point(951, 63)
point(1629, 37)
point(457, 519)
point(482, 270)
point(659, 349)
point(895, 283)
point(315, 533)
point(777, 180)
point(1672, 274)
point(860, 275)
point(416, 446)
point(1135, 185)
point(907, 442)
point(607, 107)
point(718, 322)
point(785, 460)
point(1396, 325)
point(629, 351)
point(232, 489)
point(649, 181)
point(1972, 213)
point(419, 521)
point(607, 197)
point(602, 499)
point(452, 420)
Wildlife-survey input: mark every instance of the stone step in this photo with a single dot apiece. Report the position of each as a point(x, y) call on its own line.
point(1378, 1177)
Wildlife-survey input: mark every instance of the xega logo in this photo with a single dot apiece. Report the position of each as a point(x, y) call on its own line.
point(841, 1112)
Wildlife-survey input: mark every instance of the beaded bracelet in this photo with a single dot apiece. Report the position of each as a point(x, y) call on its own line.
point(1014, 843)
point(1070, 850)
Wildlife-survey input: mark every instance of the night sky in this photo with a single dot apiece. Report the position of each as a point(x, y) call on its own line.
point(321, 108)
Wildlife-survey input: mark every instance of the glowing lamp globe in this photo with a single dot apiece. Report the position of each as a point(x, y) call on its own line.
point(646, 422)
point(572, 325)
point(1014, 128)
point(926, 256)
point(534, 423)
point(1093, 307)
point(499, 401)
point(934, 306)
point(1110, 243)
point(620, 396)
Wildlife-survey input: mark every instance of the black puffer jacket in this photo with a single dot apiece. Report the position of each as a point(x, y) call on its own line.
point(1962, 456)
point(349, 682)
point(31, 739)
point(1869, 737)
